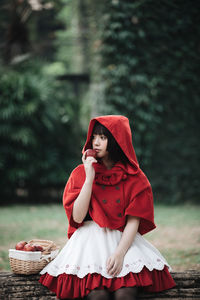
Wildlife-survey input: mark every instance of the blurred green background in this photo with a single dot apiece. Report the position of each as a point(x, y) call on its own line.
point(65, 61)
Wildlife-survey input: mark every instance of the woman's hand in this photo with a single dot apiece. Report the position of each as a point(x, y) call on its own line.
point(89, 169)
point(115, 261)
point(114, 264)
point(81, 204)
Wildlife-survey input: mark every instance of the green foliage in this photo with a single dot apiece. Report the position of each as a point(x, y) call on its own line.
point(42, 118)
point(143, 63)
point(150, 74)
point(37, 114)
point(28, 27)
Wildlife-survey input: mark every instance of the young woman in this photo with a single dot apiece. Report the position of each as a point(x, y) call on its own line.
point(109, 204)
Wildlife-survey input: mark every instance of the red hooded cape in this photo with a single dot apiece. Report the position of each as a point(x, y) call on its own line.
point(121, 191)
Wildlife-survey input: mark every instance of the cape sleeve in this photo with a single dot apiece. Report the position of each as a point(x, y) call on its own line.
point(71, 192)
point(141, 205)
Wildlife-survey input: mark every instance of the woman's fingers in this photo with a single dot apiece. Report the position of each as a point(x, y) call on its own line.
point(111, 267)
point(88, 158)
point(114, 266)
point(117, 271)
point(114, 271)
point(89, 168)
point(109, 264)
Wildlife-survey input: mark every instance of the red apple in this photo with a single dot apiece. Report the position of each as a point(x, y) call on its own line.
point(91, 152)
point(20, 245)
point(34, 248)
point(38, 248)
point(29, 247)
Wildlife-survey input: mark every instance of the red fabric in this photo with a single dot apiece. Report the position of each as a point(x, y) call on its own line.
point(126, 188)
point(71, 286)
point(120, 129)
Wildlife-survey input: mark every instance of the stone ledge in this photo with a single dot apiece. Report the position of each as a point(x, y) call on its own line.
point(18, 287)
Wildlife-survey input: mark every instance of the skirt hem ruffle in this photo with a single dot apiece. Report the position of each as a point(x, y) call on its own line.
point(71, 286)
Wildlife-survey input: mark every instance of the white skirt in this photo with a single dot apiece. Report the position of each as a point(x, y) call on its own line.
point(89, 248)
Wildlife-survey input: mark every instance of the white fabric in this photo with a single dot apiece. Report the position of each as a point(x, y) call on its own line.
point(31, 256)
point(90, 246)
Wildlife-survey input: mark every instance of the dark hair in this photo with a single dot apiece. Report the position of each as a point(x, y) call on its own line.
point(114, 150)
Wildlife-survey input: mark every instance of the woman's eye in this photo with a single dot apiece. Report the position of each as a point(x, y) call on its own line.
point(103, 137)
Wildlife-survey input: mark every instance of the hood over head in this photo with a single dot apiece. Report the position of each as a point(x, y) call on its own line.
point(120, 129)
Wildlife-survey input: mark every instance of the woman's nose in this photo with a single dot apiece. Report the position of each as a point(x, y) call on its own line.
point(96, 141)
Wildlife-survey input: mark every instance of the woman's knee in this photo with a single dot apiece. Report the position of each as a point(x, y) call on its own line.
point(126, 293)
point(98, 295)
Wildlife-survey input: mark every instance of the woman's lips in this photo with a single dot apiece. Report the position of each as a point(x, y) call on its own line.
point(97, 150)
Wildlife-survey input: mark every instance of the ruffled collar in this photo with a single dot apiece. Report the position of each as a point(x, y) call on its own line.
point(113, 176)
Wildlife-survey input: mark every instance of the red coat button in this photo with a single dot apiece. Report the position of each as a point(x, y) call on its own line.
point(124, 177)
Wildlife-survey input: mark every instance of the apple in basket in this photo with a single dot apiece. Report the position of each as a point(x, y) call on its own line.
point(24, 246)
point(38, 248)
point(29, 247)
point(91, 152)
point(20, 245)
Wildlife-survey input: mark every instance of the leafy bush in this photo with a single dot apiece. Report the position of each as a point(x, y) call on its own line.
point(150, 74)
point(38, 137)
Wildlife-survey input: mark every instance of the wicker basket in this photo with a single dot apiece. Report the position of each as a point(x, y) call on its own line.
point(27, 262)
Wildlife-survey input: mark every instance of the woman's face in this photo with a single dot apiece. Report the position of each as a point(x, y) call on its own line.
point(99, 143)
